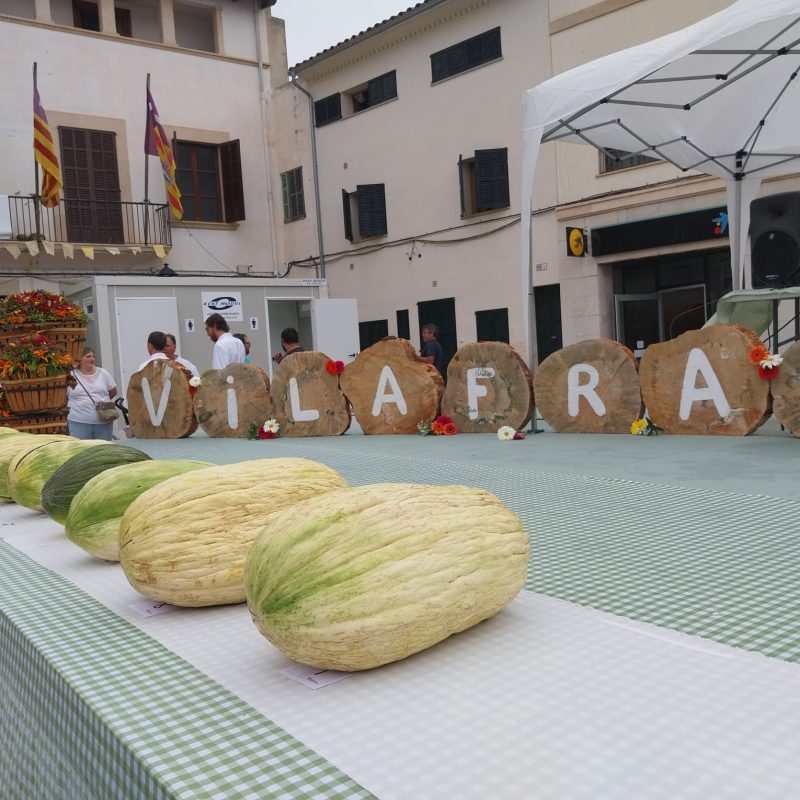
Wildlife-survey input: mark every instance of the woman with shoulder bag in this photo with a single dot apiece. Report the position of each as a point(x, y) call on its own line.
point(91, 410)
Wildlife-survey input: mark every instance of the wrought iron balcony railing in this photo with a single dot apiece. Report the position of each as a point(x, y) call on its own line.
point(90, 221)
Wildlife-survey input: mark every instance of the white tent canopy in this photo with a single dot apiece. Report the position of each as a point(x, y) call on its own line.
point(721, 97)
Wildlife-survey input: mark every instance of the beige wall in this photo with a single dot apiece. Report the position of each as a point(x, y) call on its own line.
point(412, 145)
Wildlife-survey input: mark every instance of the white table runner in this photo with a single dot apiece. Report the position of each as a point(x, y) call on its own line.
point(547, 700)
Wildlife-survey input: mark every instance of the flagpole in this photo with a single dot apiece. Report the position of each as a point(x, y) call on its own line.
point(146, 170)
point(36, 198)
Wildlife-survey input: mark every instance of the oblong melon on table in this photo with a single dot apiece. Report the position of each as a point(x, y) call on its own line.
point(365, 576)
point(29, 470)
point(185, 540)
point(11, 446)
point(62, 486)
point(95, 512)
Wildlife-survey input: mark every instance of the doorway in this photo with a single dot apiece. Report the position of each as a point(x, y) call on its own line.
point(441, 313)
point(644, 319)
point(547, 315)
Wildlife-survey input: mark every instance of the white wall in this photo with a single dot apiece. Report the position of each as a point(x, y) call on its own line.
point(93, 80)
point(412, 145)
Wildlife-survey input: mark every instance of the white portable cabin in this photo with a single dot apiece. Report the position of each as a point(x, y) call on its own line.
point(123, 311)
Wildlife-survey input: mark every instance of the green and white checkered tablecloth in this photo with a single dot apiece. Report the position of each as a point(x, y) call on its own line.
point(94, 708)
point(83, 687)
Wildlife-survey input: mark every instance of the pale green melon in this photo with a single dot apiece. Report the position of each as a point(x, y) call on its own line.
point(362, 577)
point(96, 510)
point(11, 446)
point(28, 471)
point(185, 540)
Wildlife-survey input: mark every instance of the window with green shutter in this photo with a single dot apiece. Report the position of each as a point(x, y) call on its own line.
point(466, 55)
point(492, 325)
point(294, 204)
point(483, 181)
point(328, 109)
point(373, 92)
point(364, 212)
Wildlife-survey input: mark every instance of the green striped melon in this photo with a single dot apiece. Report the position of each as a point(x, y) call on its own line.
point(28, 471)
point(96, 510)
point(361, 577)
point(74, 473)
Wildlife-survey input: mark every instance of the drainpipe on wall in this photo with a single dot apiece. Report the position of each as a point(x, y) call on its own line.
point(258, 6)
point(321, 266)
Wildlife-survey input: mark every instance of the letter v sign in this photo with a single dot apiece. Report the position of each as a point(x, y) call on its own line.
point(156, 417)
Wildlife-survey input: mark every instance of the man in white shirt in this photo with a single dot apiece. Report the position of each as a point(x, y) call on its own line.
point(156, 343)
point(169, 350)
point(227, 349)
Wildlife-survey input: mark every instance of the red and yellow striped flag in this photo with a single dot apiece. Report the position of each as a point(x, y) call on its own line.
point(44, 151)
point(156, 143)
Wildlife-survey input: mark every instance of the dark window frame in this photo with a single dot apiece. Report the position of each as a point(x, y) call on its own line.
point(403, 324)
point(476, 51)
point(122, 17)
point(484, 181)
point(327, 109)
point(92, 195)
point(372, 331)
point(612, 160)
point(228, 181)
point(369, 203)
point(495, 319)
point(294, 201)
point(374, 92)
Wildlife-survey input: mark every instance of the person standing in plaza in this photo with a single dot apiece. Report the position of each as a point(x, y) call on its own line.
point(169, 351)
point(242, 337)
point(431, 352)
point(156, 345)
point(290, 342)
point(227, 349)
point(93, 385)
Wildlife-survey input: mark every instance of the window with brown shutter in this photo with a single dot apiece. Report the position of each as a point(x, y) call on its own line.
point(232, 189)
point(209, 177)
point(91, 185)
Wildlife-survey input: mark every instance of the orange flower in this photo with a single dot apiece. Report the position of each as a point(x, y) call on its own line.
point(450, 429)
point(437, 427)
point(758, 354)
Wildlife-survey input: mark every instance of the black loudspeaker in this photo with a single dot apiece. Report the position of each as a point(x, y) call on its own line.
point(775, 241)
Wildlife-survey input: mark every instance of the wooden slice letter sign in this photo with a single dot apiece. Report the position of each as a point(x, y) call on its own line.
point(391, 389)
point(703, 382)
point(488, 386)
point(589, 387)
point(159, 403)
point(306, 399)
point(229, 400)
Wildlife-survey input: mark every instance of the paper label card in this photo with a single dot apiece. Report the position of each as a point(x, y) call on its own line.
point(312, 677)
point(151, 608)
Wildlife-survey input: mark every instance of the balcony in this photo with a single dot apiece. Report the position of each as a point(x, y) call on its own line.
point(90, 222)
